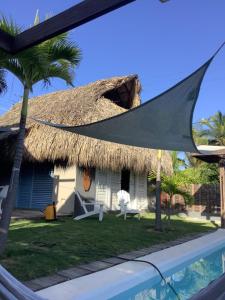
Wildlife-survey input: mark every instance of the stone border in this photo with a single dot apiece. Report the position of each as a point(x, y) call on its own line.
point(86, 269)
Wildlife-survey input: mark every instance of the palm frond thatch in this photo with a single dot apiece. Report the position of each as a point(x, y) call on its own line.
point(95, 101)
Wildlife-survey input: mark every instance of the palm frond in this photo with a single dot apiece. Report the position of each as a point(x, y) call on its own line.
point(62, 50)
point(56, 71)
point(13, 67)
point(3, 84)
point(9, 26)
point(56, 57)
point(214, 129)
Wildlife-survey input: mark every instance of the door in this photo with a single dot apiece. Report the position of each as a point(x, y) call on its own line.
point(103, 190)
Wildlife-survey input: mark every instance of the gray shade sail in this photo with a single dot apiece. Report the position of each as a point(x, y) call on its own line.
point(164, 122)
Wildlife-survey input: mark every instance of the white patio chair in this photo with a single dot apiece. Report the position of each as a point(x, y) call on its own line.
point(84, 209)
point(124, 201)
point(3, 195)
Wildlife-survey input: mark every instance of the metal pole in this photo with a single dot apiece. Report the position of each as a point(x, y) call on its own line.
point(222, 192)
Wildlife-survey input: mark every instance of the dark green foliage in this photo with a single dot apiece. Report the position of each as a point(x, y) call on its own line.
point(213, 129)
point(205, 174)
point(173, 185)
point(56, 57)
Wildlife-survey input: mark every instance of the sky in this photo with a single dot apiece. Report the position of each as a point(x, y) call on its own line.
point(161, 43)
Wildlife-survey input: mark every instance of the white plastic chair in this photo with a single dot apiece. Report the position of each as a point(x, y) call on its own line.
point(124, 200)
point(86, 209)
point(3, 195)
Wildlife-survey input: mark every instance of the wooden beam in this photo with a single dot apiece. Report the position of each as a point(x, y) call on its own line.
point(6, 41)
point(71, 18)
point(222, 191)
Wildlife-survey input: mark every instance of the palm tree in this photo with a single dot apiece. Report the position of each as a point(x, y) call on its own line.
point(173, 185)
point(56, 57)
point(214, 129)
point(3, 84)
point(177, 162)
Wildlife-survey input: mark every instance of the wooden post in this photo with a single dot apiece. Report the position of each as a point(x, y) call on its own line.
point(222, 192)
point(158, 220)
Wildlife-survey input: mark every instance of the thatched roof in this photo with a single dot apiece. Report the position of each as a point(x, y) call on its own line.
point(95, 101)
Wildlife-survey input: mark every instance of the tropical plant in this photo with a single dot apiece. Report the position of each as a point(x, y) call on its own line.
point(3, 84)
point(214, 129)
point(173, 185)
point(210, 131)
point(56, 57)
point(177, 162)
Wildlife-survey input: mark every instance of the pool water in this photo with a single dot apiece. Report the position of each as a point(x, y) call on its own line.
point(186, 280)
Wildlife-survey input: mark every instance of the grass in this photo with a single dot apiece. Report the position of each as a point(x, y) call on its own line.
point(36, 248)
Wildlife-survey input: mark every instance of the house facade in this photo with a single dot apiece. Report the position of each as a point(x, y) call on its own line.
point(58, 163)
point(102, 186)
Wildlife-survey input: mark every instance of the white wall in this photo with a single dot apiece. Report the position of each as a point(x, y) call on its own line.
point(104, 188)
point(108, 183)
point(141, 191)
point(115, 187)
point(133, 200)
point(63, 192)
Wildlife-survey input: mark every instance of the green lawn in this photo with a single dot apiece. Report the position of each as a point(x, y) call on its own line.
point(37, 248)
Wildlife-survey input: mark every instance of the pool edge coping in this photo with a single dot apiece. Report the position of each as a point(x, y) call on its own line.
point(81, 270)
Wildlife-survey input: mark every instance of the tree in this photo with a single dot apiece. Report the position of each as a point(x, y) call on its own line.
point(214, 129)
point(3, 84)
point(173, 185)
point(177, 162)
point(56, 57)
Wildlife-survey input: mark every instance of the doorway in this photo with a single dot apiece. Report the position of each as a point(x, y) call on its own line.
point(125, 180)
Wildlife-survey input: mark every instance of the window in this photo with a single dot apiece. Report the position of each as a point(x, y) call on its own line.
point(125, 180)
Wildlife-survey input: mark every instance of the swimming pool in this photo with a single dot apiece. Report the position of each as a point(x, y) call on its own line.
point(188, 267)
point(185, 280)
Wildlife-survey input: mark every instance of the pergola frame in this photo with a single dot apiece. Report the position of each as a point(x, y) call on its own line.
point(75, 16)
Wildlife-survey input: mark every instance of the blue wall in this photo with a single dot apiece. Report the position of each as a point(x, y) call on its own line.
point(35, 186)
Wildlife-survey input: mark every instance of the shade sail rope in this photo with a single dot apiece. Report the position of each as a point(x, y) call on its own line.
point(159, 272)
point(164, 122)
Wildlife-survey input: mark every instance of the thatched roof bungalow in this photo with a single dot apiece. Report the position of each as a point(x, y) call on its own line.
point(56, 160)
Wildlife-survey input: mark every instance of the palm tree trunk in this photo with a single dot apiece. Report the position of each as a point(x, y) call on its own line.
point(14, 180)
point(158, 219)
point(169, 210)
